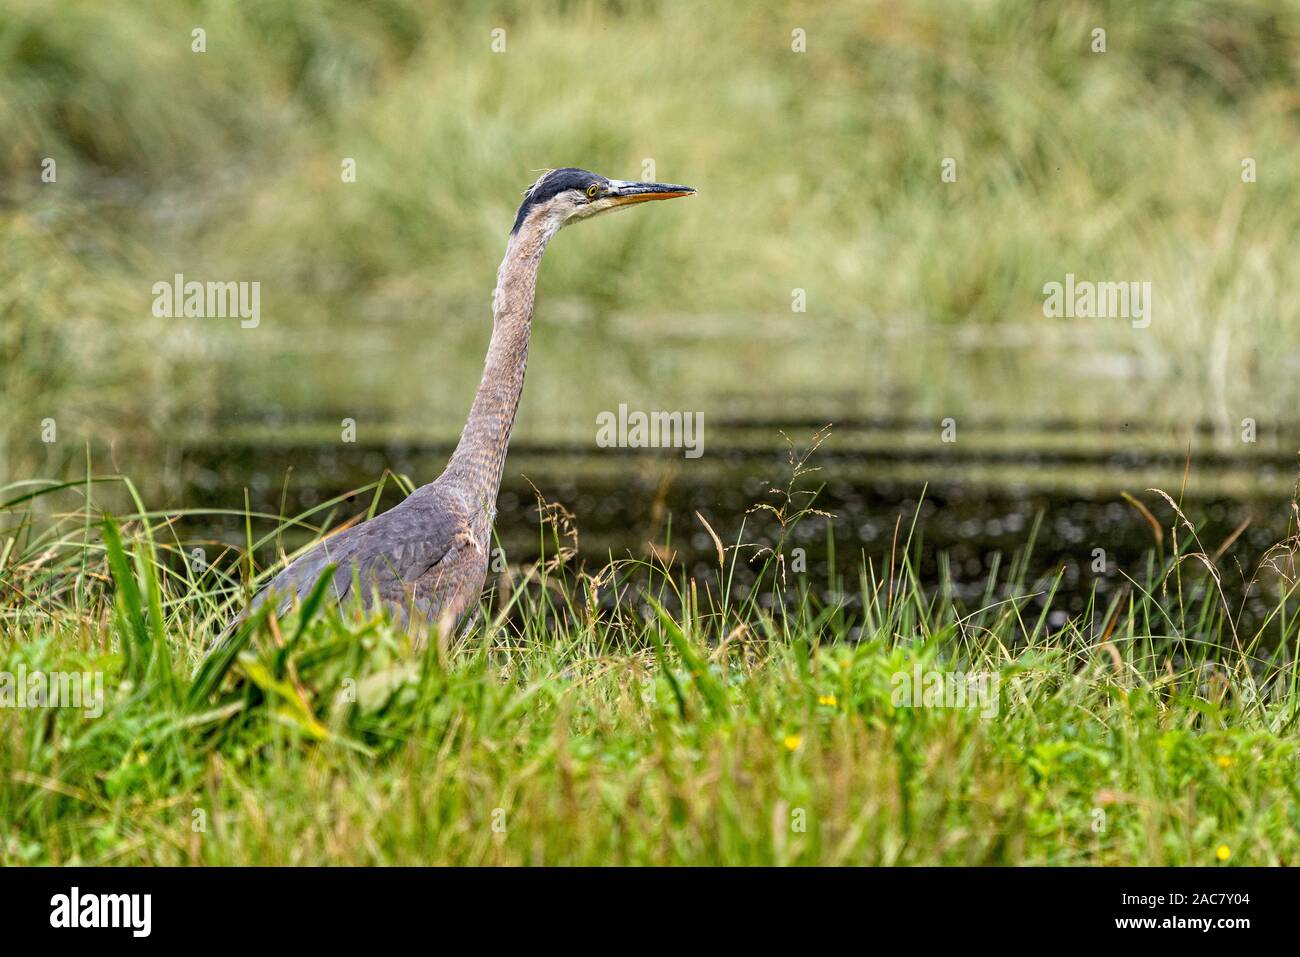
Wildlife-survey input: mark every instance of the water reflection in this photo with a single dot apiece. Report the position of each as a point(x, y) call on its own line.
point(963, 514)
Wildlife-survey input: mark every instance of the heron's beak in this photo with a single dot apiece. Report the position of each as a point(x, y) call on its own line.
point(624, 194)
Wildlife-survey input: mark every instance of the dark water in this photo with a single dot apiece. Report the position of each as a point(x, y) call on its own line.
point(970, 509)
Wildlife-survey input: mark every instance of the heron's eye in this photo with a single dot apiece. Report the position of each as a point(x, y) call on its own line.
point(593, 191)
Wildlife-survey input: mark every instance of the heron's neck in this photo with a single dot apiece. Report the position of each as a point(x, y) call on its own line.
point(480, 455)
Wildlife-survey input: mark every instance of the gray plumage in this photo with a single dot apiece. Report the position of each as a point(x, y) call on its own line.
point(412, 557)
point(426, 559)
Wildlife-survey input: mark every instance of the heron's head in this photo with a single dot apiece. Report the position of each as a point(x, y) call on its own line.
point(564, 196)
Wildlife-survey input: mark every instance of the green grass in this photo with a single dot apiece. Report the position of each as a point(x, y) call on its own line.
point(607, 729)
point(629, 715)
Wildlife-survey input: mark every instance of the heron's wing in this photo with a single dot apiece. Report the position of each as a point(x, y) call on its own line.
point(386, 553)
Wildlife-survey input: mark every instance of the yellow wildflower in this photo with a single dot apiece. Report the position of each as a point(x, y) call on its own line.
point(792, 742)
point(1224, 852)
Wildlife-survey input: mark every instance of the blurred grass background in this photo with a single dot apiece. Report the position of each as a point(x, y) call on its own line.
point(818, 171)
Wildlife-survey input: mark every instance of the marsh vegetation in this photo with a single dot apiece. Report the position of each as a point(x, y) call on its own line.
point(652, 680)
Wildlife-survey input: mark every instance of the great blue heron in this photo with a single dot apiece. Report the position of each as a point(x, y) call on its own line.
point(426, 559)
